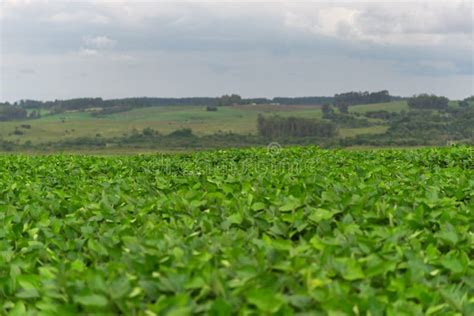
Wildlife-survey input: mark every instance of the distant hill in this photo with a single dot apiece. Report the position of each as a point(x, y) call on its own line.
point(125, 104)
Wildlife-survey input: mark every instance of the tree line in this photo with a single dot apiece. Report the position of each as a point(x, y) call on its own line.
point(354, 98)
point(341, 101)
point(56, 106)
point(224, 100)
point(427, 101)
point(276, 126)
point(9, 113)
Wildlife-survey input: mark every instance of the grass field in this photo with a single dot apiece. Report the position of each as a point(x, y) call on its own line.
point(395, 106)
point(301, 231)
point(237, 119)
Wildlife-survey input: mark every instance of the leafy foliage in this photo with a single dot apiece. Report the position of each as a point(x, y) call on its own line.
point(353, 98)
point(277, 126)
point(10, 112)
point(426, 101)
point(302, 230)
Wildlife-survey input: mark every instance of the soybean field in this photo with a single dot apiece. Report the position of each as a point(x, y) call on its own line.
point(292, 231)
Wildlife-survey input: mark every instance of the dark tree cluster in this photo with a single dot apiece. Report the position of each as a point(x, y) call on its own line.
point(353, 98)
point(30, 104)
point(9, 112)
point(302, 100)
point(78, 104)
point(347, 120)
point(462, 122)
point(467, 102)
point(211, 108)
point(183, 132)
point(87, 103)
point(148, 102)
point(427, 101)
point(343, 118)
point(455, 124)
point(327, 110)
point(343, 108)
point(276, 127)
point(256, 101)
point(233, 99)
point(469, 99)
point(381, 114)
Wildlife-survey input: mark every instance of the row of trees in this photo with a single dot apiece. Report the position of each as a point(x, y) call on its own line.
point(225, 100)
point(382, 114)
point(232, 99)
point(302, 100)
point(340, 100)
point(8, 113)
point(353, 98)
point(343, 99)
point(85, 103)
point(427, 101)
point(58, 106)
point(276, 127)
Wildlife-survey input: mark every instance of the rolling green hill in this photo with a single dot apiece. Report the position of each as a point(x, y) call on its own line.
point(166, 119)
point(394, 106)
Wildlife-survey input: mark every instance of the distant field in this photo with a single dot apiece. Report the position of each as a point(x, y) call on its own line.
point(396, 106)
point(237, 119)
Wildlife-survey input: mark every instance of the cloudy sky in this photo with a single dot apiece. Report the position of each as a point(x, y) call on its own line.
point(111, 49)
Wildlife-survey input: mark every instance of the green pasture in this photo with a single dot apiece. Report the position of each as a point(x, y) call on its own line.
point(166, 119)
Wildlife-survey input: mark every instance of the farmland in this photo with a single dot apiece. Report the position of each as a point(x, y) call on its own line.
point(170, 125)
point(166, 119)
point(290, 231)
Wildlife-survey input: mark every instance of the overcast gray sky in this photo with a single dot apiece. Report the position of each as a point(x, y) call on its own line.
point(113, 49)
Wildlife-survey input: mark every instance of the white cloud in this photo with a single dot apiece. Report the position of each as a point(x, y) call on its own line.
point(88, 52)
point(336, 22)
point(78, 17)
point(99, 41)
point(404, 24)
point(400, 45)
